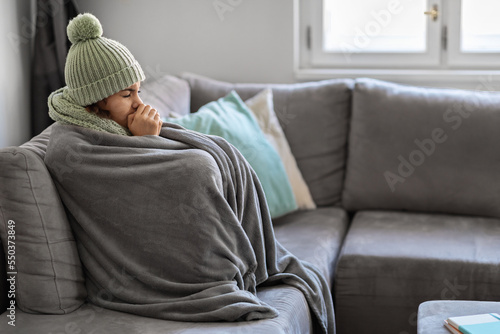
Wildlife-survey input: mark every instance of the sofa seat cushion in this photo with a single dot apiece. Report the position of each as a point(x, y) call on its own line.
point(393, 261)
point(314, 117)
point(314, 235)
point(294, 317)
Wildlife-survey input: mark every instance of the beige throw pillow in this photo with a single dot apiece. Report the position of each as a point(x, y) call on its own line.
point(262, 107)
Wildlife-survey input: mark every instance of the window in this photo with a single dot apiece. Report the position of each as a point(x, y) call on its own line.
point(430, 38)
point(474, 34)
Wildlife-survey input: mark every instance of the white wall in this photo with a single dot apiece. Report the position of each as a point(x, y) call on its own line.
point(15, 42)
point(251, 41)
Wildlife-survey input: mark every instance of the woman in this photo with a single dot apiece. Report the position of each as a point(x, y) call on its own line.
point(169, 223)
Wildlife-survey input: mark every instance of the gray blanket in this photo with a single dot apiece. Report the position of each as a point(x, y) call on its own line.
point(174, 226)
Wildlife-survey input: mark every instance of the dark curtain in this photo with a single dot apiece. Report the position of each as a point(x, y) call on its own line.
point(50, 49)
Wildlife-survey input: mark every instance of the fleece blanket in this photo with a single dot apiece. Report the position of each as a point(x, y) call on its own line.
point(174, 226)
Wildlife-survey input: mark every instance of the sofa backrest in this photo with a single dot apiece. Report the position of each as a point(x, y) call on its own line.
point(314, 117)
point(423, 149)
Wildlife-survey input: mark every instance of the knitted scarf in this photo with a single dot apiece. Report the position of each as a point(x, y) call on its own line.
point(64, 110)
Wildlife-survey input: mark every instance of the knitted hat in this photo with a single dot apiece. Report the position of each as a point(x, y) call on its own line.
point(97, 67)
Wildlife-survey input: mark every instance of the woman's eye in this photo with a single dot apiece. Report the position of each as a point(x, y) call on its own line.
point(127, 95)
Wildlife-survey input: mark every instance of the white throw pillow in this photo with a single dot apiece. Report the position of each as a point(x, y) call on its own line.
point(262, 107)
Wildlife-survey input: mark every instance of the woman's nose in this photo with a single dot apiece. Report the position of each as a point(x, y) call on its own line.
point(137, 102)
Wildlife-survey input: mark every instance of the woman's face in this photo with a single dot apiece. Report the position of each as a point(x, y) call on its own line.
point(122, 104)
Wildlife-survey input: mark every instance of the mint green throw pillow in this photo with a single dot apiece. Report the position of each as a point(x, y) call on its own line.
point(230, 118)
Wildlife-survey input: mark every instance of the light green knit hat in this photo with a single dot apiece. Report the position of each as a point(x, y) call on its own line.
point(97, 67)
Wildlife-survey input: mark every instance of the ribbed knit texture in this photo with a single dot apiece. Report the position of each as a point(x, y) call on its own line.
point(97, 67)
point(63, 109)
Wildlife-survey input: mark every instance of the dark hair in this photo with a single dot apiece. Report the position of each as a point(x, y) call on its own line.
point(94, 109)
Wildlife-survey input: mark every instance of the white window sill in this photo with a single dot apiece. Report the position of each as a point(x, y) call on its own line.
point(472, 79)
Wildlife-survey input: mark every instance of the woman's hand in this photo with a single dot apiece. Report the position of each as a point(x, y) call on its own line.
point(145, 121)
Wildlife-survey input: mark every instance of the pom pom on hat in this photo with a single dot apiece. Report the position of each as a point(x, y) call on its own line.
point(84, 27)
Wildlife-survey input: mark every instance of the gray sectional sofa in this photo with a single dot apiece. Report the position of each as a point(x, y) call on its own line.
point(407, 186)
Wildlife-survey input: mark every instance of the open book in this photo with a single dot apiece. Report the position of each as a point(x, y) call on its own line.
point(474, 324)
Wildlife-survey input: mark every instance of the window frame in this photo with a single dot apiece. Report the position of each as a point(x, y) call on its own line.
point(451, 67)
point(458, 59)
